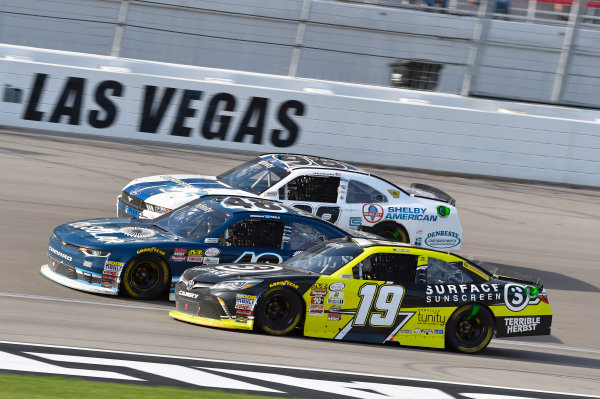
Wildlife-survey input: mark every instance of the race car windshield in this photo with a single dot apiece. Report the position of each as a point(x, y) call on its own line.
point(256, 176)
point(326, 258)
point(194, 221)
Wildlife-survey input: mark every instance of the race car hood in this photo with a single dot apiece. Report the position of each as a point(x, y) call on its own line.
point(241, 271)
point(100, 233)
point(175, 190)
point(424, 191)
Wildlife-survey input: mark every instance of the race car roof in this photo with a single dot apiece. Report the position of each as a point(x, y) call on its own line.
point(248, 204)
point(289, 161)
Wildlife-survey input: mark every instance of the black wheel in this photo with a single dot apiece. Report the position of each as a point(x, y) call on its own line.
point(278, 311)
point(469, 329)
point(145, 277)
point(391, 231)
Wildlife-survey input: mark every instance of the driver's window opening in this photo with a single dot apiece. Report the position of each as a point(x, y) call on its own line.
point(312, 189)
point(254, 233)
point(441, 272)
point(397, 268)
point(359, 192)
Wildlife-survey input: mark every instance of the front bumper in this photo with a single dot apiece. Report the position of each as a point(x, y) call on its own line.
point(228, 323)
point(76, 283)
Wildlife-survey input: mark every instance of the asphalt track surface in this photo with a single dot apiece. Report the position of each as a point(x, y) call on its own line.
point(543, 230)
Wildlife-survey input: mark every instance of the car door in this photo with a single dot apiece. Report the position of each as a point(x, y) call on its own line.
point(255, 238)
point(365, 204)
point(363, 301)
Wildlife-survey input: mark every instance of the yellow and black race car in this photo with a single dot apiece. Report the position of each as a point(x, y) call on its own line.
point(370, 291)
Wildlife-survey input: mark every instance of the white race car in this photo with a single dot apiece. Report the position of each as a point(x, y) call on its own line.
point(335, 191)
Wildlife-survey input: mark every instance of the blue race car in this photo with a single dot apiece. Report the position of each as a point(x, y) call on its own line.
point(145, 257)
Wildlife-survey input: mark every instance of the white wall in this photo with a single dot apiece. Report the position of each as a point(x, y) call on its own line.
point(350, 122)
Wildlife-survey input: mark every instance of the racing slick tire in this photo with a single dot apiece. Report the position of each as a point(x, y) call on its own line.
point(145, 277)
point(469, 329)
point(278, 311)
point(391, 231)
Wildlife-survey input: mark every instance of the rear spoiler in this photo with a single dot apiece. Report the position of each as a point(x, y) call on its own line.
point(425, 191)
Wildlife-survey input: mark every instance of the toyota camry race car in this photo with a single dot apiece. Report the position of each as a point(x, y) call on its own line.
point(335, 191)
point(144, 257)
point(366, 290)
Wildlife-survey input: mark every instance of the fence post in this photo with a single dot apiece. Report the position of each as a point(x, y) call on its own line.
point(564, 62)
point(480, 34)
point(119, 28)
point(299, 38)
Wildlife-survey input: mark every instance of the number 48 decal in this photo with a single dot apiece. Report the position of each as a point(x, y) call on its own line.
point(380, 304)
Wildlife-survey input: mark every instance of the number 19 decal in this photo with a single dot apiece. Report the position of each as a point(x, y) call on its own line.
point(381, 303)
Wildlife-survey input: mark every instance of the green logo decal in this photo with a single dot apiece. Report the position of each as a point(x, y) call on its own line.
point(443, 211)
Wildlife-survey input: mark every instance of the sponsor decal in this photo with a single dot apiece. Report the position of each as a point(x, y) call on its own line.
point(187, 294)
point(177, 258)
point(210, 261)
point(319, 286)
point(438, 331)
point(516, 298)
point(241, 312)
point(442, 239)
point(316, 310)
point(419, 238)
point(334, 308)
point(408, 213)
point(211, 240)
point(113, 268)
point(212, 252)
point(87, 263)
point(214, 116)
point(113, 263)
point(355, 221)
point(456, 293)
point(417, 331)
point(405, 331)
point(401, 250)
point(334, 316)
point(245, 302)
point(241, 319)
point(179, 252)
point(427, 332)
point(394, 193)
point(110, 276)
point(443, 211)
point(521, 324)
point(430, 316)
point(194, 252)
point(195, 259)
point(335, 301)
point(285, 283)
point(106, 283)
point(317, 300)
point(337, 286)
point(338, 295)
point(58, 253)
point(98, 232)
point(346, 276)
point(372, 213)
point(151, 250)
point(138, 232)
point(318, 293)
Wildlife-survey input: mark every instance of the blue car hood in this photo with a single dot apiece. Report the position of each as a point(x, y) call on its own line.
point(103, 233)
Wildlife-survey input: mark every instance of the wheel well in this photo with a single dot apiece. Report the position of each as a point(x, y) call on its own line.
point(146, 256)
point(486, 307)
point(392, 225)
point(295, 292)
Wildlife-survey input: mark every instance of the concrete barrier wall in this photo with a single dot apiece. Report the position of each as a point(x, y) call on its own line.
point(81, 93)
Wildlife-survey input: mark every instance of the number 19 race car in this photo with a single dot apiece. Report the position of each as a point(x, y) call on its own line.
point(335, 191)
point(144, 257)
point(371, 291)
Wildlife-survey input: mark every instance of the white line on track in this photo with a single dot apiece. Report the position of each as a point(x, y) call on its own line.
point(83, 301)
point(293, 368)
point(166, 308)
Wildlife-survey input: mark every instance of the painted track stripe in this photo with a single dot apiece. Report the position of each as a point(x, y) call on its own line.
point(298, 368)
point(83, 301)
